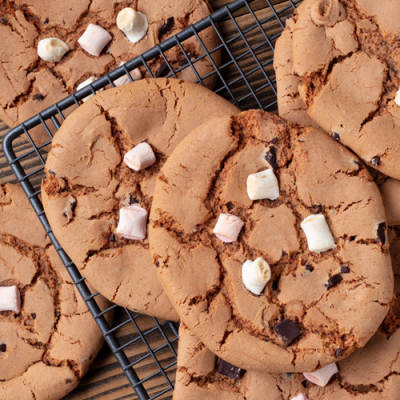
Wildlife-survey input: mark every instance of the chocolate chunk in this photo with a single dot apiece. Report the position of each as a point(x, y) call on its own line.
point(46, 21)
point(132, 200)
point(288, 331)
point(376, 161)
point(224, 368)
point(157, 263)
point(271, 158)
point(3, 348)
point(309, 268)
point(336, 136)
point(274, 140)
point(275, 285)
point(33, 316)
point(111, 238)
point(167, 26)
point(68, 380)
point(73, 205)
point(162, 71)
point(52, 172)
point(3, 20)
point(338, 352)
point(185, 61)
point(304, 383)
point(37, 97)
point(382, 232)
point(345, 269)
point(333, 281)
point(283, 254)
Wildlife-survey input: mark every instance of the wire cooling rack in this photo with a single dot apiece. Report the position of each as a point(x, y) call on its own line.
point(248, 30)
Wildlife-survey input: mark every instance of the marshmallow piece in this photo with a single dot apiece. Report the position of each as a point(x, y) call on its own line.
point(10, 298)
point(255, 275)
point(132, 222)
point(94, 39)
point(52, 49)
point(140, 157)
point(263, 185)
point(323, 375)
point(319, 236)
point(133, 23)
point(300, 396)
point(86, 83)
point(135, 74)
point(228, 227)
point(397, 98)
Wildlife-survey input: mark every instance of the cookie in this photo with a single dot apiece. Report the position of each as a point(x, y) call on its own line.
point(88, 182)
point(347, 56)
point(30, 84)
point(49, 340)
point(369, 373)
point(241, 273)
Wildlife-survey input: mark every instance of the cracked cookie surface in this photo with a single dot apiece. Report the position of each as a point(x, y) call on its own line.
point(206, 176)
point(30, 84)
point(86, 167)
point(349, 66)
point(371, 373)
point(48, 346)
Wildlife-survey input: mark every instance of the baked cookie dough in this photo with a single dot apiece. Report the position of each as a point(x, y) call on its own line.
point(47, 346)
point(317, 307)
point(30, 84)
point(369, 373)
point(346, 54)
point(86, 169)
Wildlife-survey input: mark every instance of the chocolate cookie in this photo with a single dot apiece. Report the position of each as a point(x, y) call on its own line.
point(30, 84)
point(369, 373)
point(91, 195)
point(271, 285)
point(346, 54)
point(48, 336)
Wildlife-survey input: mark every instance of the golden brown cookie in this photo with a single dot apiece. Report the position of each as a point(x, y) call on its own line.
point(31, 84)
point(318, 300)
point(88, 182)
point(47, 346)
point(346, 55)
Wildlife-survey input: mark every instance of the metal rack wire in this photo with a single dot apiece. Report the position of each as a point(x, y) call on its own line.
point(245, 77)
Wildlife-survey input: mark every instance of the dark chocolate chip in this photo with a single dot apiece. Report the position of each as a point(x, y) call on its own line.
point(382, 232)
point(167, 26)
point(275, 285)
point(345, 269)
point(46, 21)
point(271, 158)
point(37, 97)
point(51, 172)
point(352, 238)
point(316, 209)
point(185, 61)
point(157, 263)
point(3, 20)
point(304, 383)
point(111, 238)
point(376, 161)
point(162, 70)
point(68, 380)
point(73, 205)
point(357, 163)
point(283, 254)
point(336, 136)
point(65, 214)
point(289, 16)
point(132, 200)
point(338, 352)
point(3, 348)
point(288, 331)
point(274, 140)
point(309, 268)
point(33, 316)
point(224, 368)
point(333, 281)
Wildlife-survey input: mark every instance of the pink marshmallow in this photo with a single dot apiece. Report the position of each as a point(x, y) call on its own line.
point(323, 375)
point(228, 227)
point(94, 39)
point(140, 157)
point(300, 396)
point(10, 298)
point(132, 222)
point(135, 74)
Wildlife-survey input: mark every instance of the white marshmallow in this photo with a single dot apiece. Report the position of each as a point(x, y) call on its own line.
point(319, 236)
point(263, 185)
point(10, 298)
point(135, 74)
point(228, 227)
point(323, 375)
point(397, 98)
point(300, 396)
point(140, 157)
point(255, 275)
point(133, 23)
point(86, 83)
point(132, 222)
point(94, 39)
point(52, 49)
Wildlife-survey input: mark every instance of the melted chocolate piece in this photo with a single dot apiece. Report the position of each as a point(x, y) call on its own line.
point(3, 20)
point(73, 205)
point(111, 238)
point(157, 263)
point(345, 269)
point(376, 161)
point(162, 71)
point(185, 61)
point(167, 26)
point(381, 232)
point(3, 348)
point(37, 97)
point(33, 316)
point(288, 331)
point(132, 200)
point(224, 368)
point(338, 352)
point(271, 158)
point(46, 21)
point(336, 136)
point(333, 281)
point(274, 140)
point(309, 268)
